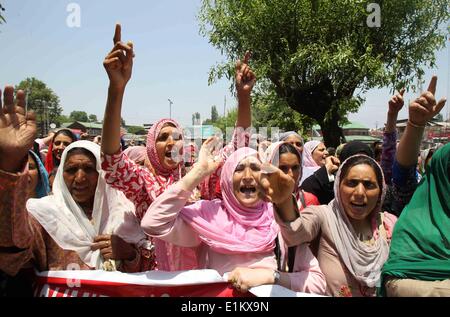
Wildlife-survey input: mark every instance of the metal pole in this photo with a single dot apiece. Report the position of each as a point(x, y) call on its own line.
point(46, 117)
point(170, 108)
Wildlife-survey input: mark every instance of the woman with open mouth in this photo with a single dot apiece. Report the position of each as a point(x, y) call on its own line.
point(354, 234)
point(238, 230)
point(298, 268)
point(142, 185)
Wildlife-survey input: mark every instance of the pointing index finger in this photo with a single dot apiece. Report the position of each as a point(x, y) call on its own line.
point(432, 85)
point(117, 33)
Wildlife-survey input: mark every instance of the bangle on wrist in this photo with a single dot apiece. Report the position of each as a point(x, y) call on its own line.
point(276, 277)
point(415, 125)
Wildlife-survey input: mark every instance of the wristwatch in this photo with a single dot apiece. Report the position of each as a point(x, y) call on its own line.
point(276, 277)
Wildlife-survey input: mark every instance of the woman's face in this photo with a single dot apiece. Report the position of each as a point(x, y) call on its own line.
point(295, 141)
point(359, 191)
point(319, 154)
point(290, 165)
point(59, 144)
point(169, 147)
point(245, 179)
point(81, 176)
point(33, 177)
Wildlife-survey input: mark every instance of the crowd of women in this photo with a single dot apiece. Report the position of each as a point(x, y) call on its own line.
point(287, 213)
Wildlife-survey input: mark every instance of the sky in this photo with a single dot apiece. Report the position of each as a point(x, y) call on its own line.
point(172, 59)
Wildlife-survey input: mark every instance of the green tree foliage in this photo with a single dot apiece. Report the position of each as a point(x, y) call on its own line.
point(80, 116)
point(62, 119)
point(196, 118)
point(228, 121)
point(268, 110)
point(136, 130)
point(43, 101)
point(320, 56)
point(92, 118)
point(214, 114)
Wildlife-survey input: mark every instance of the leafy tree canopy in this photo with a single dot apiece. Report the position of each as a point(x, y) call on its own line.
point(320, 56)
point(80, 116)
point(43, 101)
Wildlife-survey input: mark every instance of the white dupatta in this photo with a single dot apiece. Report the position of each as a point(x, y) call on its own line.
point(65, 221)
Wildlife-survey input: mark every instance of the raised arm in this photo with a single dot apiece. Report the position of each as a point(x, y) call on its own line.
point(245, 80)
point(118, 64)
point(390, 135)
point(395, 105)
point(421, 110)
point(17, 133)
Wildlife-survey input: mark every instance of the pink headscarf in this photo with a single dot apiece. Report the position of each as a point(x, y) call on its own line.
point(227, 226)
point(308, 163)
point(308, 149)
point(136, 153)
point(152, 136)
point(170, 257)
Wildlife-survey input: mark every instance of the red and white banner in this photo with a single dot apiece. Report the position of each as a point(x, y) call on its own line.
point(194, 283)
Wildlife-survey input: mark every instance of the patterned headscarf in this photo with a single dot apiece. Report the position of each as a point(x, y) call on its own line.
point(152, 136)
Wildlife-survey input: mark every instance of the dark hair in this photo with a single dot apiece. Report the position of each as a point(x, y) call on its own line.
point(355, 147)
point(83, 151)
point(287, 148)
point(331, 151)
point(65, 132)
point(357, 160)
point(430, 154)
point(374, 144)
point(35, 157)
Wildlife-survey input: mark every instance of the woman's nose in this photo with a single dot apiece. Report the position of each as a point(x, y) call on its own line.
point(247, 173)
point(290, 173)
point(360, 190)
point(170, 140)
point(80, 175)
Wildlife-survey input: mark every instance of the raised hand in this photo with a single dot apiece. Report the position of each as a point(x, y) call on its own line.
point(396, 102)
point(17, 130)
point(245, 78)
point(275, 186)
point(332, 164)
point(119, 62)
point(208, 161)
point(424, 108)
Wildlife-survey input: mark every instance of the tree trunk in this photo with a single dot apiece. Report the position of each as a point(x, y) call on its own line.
point(315, 102)
point(332, 133)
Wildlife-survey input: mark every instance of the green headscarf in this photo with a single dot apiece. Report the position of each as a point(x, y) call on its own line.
point(420, 247)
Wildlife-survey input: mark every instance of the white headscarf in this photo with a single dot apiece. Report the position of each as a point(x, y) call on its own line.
point(65, 221)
